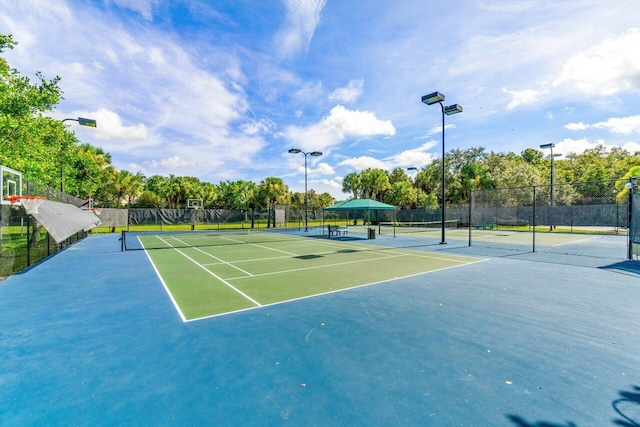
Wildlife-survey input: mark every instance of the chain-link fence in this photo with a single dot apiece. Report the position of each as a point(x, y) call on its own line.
point(585, 218)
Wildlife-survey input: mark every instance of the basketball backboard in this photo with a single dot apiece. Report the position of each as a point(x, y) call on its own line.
point(10, 182)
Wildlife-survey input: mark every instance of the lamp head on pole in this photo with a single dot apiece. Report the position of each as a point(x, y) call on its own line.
point(433, 98)
point(549, 145)
point(315, 153)
point(295, 151)
point(87, 122)
point(453, 109)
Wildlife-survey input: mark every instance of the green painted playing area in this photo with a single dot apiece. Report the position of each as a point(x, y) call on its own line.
point(214, 280)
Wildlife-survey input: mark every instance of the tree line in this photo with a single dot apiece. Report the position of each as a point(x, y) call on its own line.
point(47, 152)
point(475, 168)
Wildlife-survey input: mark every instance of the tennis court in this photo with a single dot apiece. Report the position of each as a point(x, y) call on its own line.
point(217, 272)
point(91, 337)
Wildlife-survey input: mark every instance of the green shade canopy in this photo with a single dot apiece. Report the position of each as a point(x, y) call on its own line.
point(360, 205)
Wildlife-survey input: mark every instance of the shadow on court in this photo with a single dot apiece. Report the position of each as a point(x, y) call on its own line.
point(626, 407)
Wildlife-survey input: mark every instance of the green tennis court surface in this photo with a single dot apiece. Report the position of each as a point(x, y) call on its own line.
point(214, 280)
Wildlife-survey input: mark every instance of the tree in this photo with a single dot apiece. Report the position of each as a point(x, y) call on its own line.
point(325, 199)
point(621, 184)
point(402, 194)
point(398, 175)
point(374, 182)
point(351, 184)
point(29, 141)
point(86, 174)
point(424, 200)
point(272, 190)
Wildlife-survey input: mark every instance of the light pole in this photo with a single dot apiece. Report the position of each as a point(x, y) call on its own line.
point(306, 198)
point(553, 180)
point(83, 122)
point(438, 98)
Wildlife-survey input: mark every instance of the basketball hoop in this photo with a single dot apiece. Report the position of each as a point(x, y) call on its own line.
point(96, 211)
point(30, 203)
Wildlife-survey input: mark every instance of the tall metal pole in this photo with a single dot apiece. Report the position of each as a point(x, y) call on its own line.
point(84, 122)
point(306, 197)
point(444, 180)
point(553, 190)
point(438, 98)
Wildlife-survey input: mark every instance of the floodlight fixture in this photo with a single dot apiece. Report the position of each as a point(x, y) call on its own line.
point(552, 156)
point(453, 109)
point(83, 122)
point(306, 198)
point(438, 98)
point(87, 122)
point(432, 98)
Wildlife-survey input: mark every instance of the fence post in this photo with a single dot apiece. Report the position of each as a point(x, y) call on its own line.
point(28, 241)
point(534, 218)
point(470, 207)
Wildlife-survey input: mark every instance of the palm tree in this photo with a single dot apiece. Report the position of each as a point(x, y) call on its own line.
point(351, 183)
point(273, 190)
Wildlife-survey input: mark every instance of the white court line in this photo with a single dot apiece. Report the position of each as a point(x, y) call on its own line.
point(274, 249)
point(215, 275)
point(175, 304)
point(336, 291)
point(214, 257)
point(379, 250)
point(315, 267)
point(398, 255)
point(572, 242)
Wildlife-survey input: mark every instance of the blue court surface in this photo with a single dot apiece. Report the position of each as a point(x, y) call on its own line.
point(90, 337)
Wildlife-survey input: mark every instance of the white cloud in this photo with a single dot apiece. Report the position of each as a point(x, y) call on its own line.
point(111, 127)
point(349, 93)
point(356, 123)
point(302, 19)
point(174, 162)
point(417, 157)
point(632, 147)
point(438, 129)
point(522, 97)
point(607, 68)
point(363, 162)
point(617, 125)
point(576, 126)
point(340, 124)
point(579, 146)
point(322, 169)
point(621, 125)
point(575, 146)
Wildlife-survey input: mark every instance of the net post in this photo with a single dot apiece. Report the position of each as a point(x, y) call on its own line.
point(122, 241)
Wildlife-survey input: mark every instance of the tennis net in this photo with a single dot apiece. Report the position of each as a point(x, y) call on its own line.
point(140, 240)
point(405, 227)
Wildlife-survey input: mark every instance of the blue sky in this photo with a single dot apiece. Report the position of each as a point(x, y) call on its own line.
point(221, 90)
